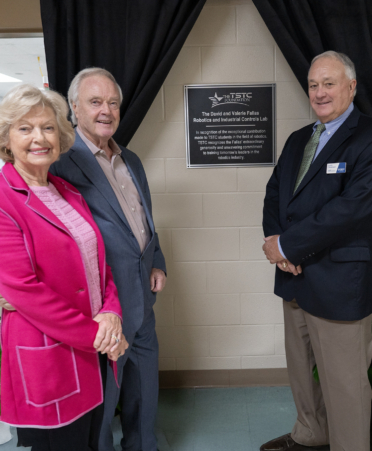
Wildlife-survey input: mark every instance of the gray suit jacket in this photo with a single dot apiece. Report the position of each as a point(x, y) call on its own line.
point(130, 268)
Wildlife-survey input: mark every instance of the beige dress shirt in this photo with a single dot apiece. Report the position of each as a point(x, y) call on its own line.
point(124, 188)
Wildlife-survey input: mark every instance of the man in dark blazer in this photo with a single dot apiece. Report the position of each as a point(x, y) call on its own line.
point(318, 227)
point(113, 183)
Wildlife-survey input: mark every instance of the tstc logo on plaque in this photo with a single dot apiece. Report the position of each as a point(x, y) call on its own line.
point(230, 125)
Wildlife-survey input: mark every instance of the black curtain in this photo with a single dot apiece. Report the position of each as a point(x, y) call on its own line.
point(305, 28)
point(136, 40)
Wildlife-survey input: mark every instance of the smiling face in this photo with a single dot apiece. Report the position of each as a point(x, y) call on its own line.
point(330, 90)
point(34, 142)
point(98, 109)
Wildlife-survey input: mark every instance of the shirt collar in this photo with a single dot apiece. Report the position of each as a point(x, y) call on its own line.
point(338, 121)
point(96, 150)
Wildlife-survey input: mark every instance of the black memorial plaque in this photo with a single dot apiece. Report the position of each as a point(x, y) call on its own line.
point(230, 125)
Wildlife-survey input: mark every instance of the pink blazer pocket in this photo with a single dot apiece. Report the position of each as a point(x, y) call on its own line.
point(49, 373)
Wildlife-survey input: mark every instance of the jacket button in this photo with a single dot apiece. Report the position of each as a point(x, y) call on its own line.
point(289, 219)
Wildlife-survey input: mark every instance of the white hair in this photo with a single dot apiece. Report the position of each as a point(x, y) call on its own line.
point(344, 59)
point(73, 92)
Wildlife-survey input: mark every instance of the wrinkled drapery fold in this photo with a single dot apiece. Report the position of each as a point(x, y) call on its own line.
point(137, 41)
point(305, 28)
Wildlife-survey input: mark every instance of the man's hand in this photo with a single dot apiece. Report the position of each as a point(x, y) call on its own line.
point(158, 280)
point(6, 305)
point(109, 330)
point(271, 249)
point(120, 349)
point(287, 266)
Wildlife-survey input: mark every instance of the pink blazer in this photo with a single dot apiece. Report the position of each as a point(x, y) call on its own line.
point(50, 373)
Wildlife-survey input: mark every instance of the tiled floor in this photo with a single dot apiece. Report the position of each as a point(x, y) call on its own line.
point(226, 419)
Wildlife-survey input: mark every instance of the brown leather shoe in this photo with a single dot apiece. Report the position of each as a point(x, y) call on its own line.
point(285, 442)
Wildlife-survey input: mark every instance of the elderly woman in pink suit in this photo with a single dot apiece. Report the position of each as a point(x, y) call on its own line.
point(53, 271)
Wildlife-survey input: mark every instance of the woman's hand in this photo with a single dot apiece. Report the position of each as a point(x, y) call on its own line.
point(6, 305)
point(120, 349)
point(109, 332)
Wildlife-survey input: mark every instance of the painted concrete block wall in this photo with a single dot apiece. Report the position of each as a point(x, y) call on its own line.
point(218, 310)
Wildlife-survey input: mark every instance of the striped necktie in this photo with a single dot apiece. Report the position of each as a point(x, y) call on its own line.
point(309, 153)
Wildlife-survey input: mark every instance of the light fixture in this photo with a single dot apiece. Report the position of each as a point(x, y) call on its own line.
point(7, 79)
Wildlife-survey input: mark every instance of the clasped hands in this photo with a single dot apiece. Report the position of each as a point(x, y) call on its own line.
point(109, 329)
point(110, 339)
point(272, 252)
point(110, 324)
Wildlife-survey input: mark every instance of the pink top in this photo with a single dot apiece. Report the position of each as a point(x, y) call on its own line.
point(83, 234)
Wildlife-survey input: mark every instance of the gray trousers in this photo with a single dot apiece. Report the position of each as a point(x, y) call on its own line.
point(139, 381)
point(338, 410)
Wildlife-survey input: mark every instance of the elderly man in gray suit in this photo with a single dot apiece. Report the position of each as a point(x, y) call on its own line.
point(112, 180)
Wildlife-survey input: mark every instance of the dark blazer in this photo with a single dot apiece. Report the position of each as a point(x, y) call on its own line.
point(326, 226)
point(130, 268)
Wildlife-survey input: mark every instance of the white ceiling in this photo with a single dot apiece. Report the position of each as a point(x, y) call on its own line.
point(18, 59)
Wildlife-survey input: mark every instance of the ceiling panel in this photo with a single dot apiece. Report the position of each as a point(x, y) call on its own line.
point(18, 58)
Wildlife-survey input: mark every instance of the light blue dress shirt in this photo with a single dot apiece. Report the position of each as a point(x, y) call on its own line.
point(331, 129)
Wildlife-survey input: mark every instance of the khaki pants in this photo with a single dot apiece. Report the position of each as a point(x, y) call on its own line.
point(338, 410)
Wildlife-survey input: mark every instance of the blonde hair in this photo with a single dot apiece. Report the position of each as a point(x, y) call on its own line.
point(73, 92)
point(19, 101)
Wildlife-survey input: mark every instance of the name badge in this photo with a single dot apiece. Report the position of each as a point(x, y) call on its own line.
point(336, 168)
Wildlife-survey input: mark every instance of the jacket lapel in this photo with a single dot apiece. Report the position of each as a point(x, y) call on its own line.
point(340, 136)
point(86, 161)
point(139, 189)
point(296, 161)
point(16, 182)
point(74, 198)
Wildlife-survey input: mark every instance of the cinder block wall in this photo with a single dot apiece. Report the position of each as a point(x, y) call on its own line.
point(218, 310)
